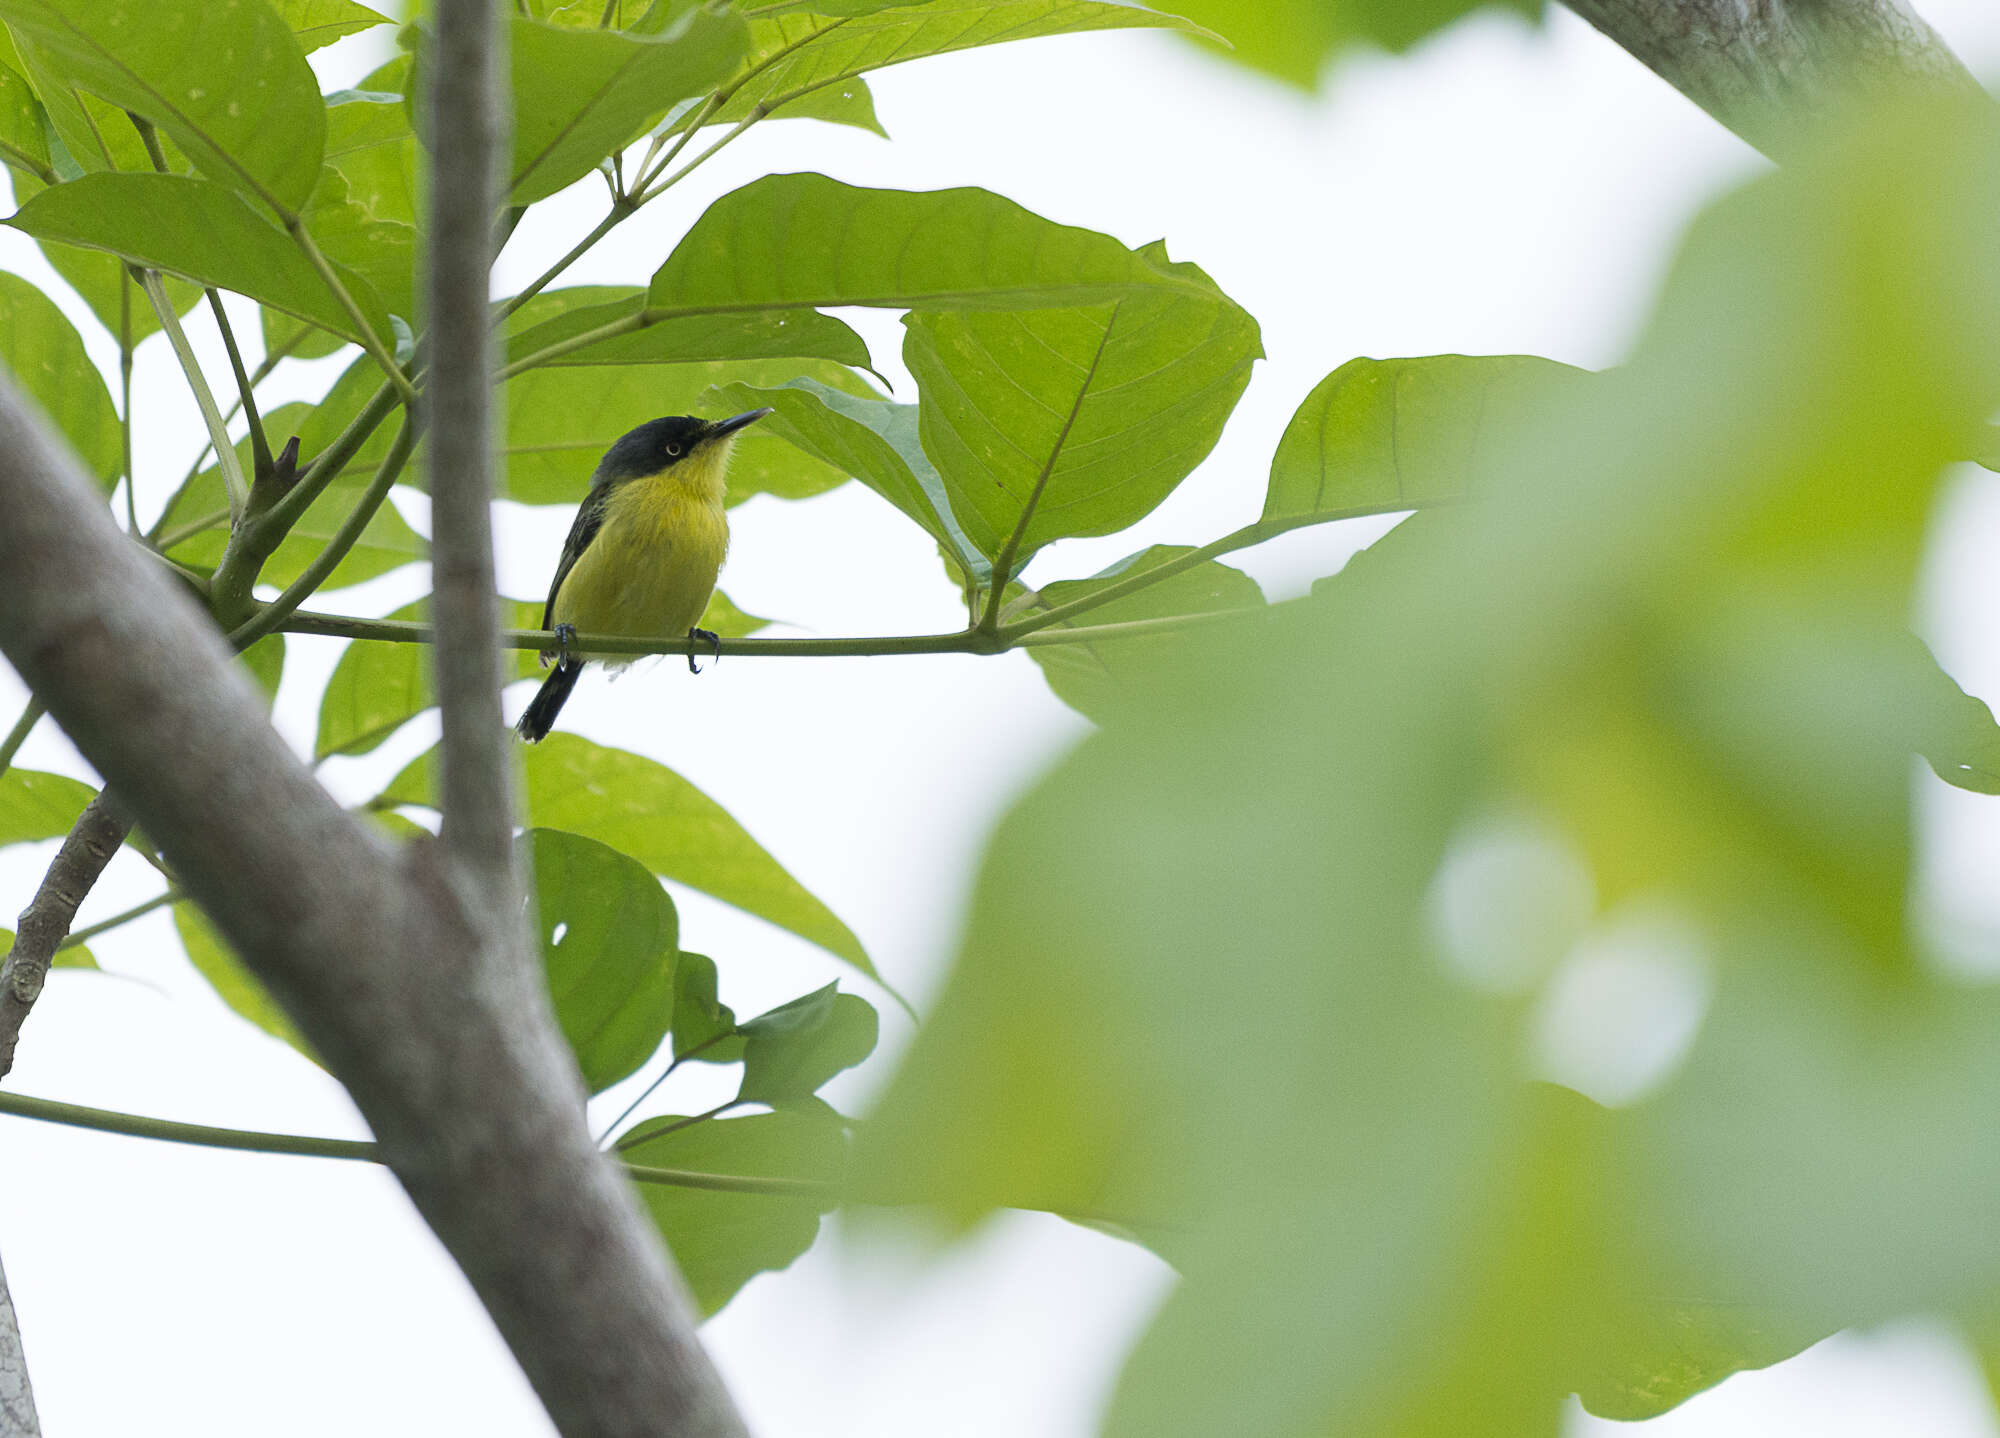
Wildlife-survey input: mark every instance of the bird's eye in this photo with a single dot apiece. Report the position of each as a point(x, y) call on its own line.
point(673, 451)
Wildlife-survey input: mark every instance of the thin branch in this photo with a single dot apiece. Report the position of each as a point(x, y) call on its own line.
point(377, 348)
point(132, 1125)
point(260, 446)
point(468, 126)
point(653, 1087)
point(125, 398)
point(621, 210)
point(18, 735)
point(1774, 70)
point(218, 433)
point(257, 377)
point(17, 1394)
point(105, 926)
point(45, 922)
point(402, 631)
point(680, 1123)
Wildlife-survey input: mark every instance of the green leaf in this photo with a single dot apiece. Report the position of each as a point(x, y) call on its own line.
point(48, 362)
point(1294, 39)
point(610, 939)
point(1077, 421)
point(76, 956)
point(102, 280)
point(720, 1241)
point(793, 1049)
point(645, 809)
point(802, 52)
point(297, 338)
point(1381, 435)
point(704, 1027)
point(875, 441)
point(583, 95)
point(233, 983)
point(386, 542)
point(229, 83)
point(1959, 741)
point(370, 142)
point(35, 805)
point(383, 252)
point(321, 22)
point(265, 662)
point(23, 142)
point(637, 335)
point(200, 231)
point(794, 242)
point(1107, 676)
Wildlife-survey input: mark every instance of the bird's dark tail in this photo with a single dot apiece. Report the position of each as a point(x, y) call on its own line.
point(540, 715)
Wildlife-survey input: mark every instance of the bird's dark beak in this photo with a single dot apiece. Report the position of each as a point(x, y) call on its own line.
point(723, 428)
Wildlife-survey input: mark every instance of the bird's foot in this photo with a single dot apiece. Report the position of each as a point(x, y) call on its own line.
point(703, 636)
point(565, 637)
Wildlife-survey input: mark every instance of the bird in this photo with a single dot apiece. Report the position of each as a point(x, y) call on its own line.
point(644, 550)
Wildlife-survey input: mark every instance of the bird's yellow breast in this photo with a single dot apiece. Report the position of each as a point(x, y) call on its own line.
point(652, 566)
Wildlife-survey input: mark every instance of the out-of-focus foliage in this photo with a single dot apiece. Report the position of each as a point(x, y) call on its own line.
point(1294, 39)
point(1198, 995)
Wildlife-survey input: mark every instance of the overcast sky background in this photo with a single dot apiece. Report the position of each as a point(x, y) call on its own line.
point(1503, 189)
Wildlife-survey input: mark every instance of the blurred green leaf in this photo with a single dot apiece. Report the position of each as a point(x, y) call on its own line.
point(1107, 675)
point(22, 139)
point(200, 231)
point(229, 83)
point(720, 1241)
point(321, 22)
point(233, 983)
point(796, 242)
point(1293, 39)
point(646, 810)
point(35, 805)
point(265, 661)
point(874, 441)
point(610, 939)
point(704, 1027)
point(1961, 742)
point(837, 42)
point(76, 956)
point(582, 95)
point(1061, 422)
point(793, 1049)
point(46, 356)
point(1380, 435)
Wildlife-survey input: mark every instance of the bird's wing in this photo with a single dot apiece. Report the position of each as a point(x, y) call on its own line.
point(589, 519)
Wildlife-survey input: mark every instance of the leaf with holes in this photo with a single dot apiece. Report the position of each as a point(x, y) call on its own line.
point(1051, 423)
point(610, 939)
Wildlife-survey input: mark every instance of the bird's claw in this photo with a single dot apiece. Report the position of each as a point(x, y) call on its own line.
point(565, 637)
point(707, 636)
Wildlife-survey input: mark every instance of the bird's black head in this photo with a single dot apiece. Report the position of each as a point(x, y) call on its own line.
point(663, 443)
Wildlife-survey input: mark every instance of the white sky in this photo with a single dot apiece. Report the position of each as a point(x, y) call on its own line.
point(1501, 190)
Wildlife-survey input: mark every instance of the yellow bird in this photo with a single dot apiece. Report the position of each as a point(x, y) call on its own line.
point(642, 556)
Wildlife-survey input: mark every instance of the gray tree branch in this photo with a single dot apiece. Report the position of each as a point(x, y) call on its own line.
point(1771, 70)
point(44, 924)
point(17, 1395)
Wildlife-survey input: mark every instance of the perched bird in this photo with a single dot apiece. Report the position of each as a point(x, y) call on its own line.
point(643, 553)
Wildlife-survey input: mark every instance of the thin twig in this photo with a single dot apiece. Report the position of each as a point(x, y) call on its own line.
point(18, 735)
point(125, 399)
point(45, 922)
point(378, 349)
point(218, 432)
point(105, 926)
point(651, 1088)
point(260, 445)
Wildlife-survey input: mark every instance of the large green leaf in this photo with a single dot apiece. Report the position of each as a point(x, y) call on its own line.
point(369, 140)
point(233, 983)
point(199, 230)
point(35, 805)
point(646, 810)
point(1106, 676)
point(1199, 992)
point(103, 280)
point(321, 22)
point(48, 362)
point(720, 1241)
point(872, 440)
point(383, 252)
point(582, 95)
point(792, 53)
point(377, 687)
point(229, 83)
point(793, 1049)
point(1294, 39)
point(23, 141)
point(1382, 435)
point(794, 242)
point(1052, 423)
point(610, 939)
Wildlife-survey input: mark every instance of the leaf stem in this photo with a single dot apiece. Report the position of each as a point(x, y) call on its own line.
point(370, 341)
point(218, 432)
point(260, 446)
point(678, 1124)
point(125, 399)
point(158, 901)
point(257, 377)
point(679, 1059)
point(18, 735)
point(134, 1125)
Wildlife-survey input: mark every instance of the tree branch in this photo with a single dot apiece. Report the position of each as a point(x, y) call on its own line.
point(380, 954)
point(1771, 70)
point(44, 924)
point(17, 1395)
